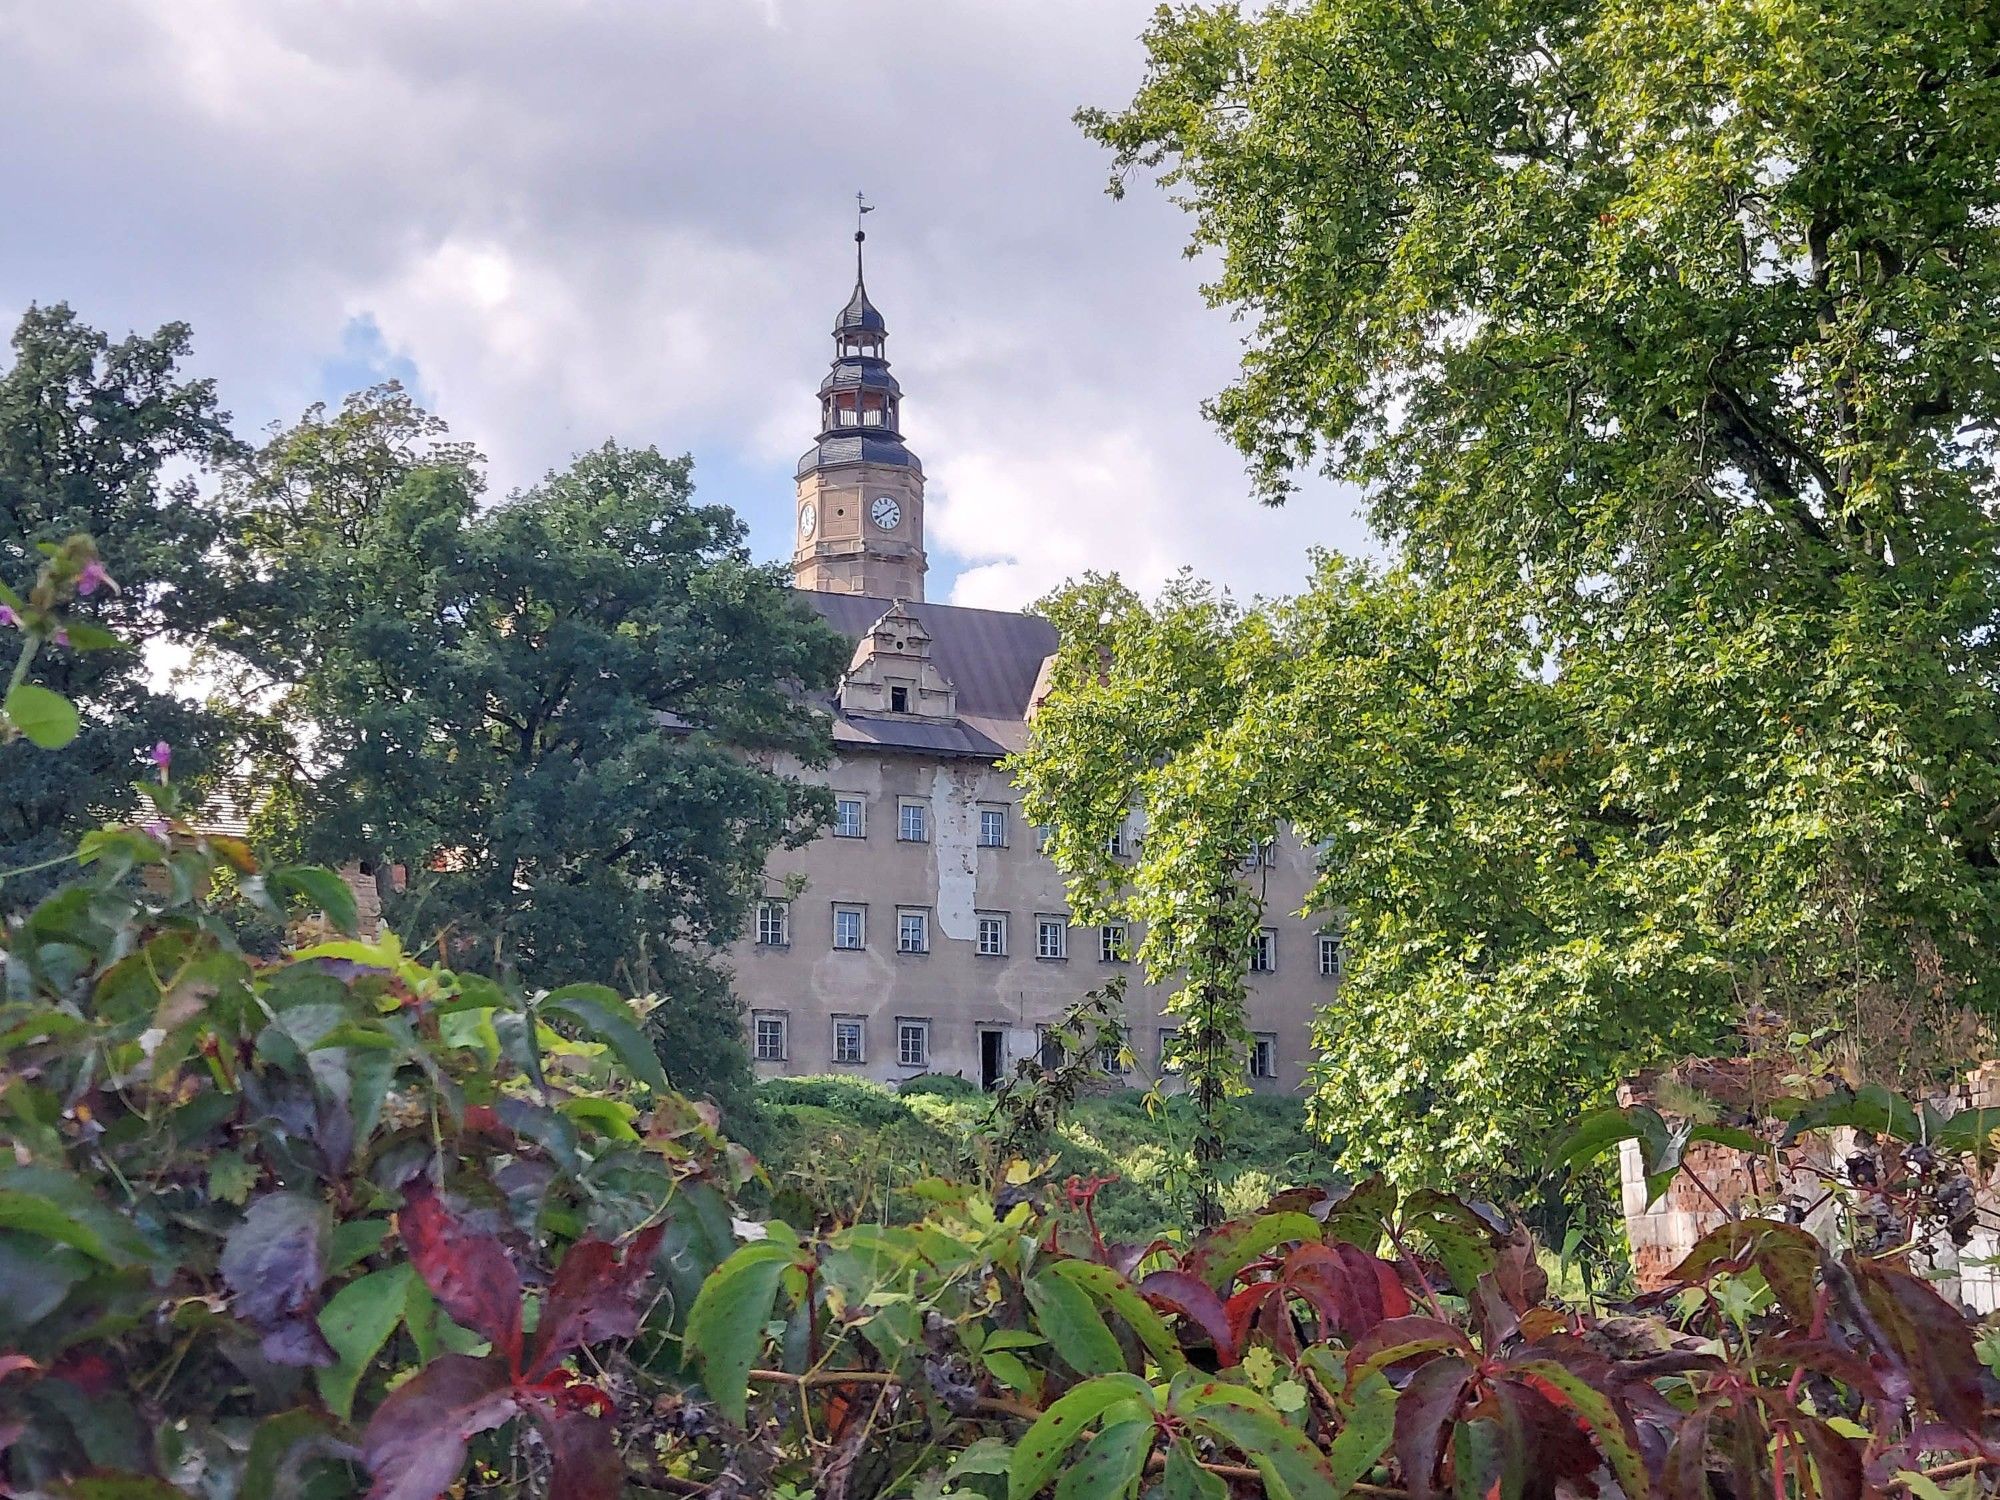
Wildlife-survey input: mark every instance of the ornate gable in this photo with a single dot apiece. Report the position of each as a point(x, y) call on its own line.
point(892, 671)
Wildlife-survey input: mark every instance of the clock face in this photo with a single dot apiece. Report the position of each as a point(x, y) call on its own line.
point(887, 513)
point(808, 519)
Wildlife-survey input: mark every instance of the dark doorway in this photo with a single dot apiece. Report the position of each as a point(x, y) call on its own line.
point(992, 1058)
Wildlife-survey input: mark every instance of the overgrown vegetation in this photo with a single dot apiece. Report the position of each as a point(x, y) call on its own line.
point(840, 1150)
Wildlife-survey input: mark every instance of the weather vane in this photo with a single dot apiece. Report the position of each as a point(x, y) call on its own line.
point(861, 206)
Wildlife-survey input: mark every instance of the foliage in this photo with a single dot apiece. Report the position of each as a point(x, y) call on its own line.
point(856, 1151)
point(1661, 342)
point(342, 1217)
point(562, 716)
point(105, 439)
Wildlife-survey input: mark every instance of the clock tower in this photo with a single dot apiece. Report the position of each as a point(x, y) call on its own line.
point(861, 492)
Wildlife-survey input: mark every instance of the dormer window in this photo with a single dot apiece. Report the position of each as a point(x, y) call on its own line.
point(899, 699)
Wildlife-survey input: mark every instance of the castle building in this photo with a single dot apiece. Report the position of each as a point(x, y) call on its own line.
point(925, 931)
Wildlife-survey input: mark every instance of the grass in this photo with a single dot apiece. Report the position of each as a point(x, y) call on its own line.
point(842, 1150)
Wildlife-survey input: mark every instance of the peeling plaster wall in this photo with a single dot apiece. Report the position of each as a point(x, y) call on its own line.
point(957, 990)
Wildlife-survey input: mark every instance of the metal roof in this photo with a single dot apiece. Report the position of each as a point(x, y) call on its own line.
point(876, 447)
point(992, 657)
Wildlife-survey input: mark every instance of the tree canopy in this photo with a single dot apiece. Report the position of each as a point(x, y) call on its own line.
point(560, 715)
point(1661, 342)
point(108, 438)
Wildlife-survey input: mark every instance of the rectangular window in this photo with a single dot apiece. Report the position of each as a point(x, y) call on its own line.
point(1264, 951)
point(1111, 947)
point(771, 1037)
point(1051, 939)
point(913, 822)
point(899, 699)
point(1117, 846)
point(913, 1043)
point(849, 926)
point(993, 936)
point(847, 823)
point(913, 932)
point(1043, 833)
point(849, 1039)
point(1329, 957)
point(1264, 1056)
point(1111, 1053)
point(1263, 852)
point(993, 827)
point(1049, 1049)
point(774, 924)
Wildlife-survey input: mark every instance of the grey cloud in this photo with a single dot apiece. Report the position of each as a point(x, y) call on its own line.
point(631, 219)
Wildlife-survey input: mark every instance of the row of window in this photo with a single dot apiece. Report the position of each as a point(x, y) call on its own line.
point(913, 821)
point(771, 1037)
point(990, 936)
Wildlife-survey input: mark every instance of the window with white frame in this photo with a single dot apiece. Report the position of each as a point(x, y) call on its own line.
point(1051, 937)
point(770, 1031)
point(1111, 1053)
point(1043, 833)
point(1329, 956)
point(993, 935)
point(1118, 845)
point(913, 821)
point(849, 819)
point(913, 932)
point(850, 926)
point(1264, 1056)
point(850, 1037)
point(774, 924)
point(1263, 852)
point(913, 1043)
point(1111, 947)
point(1264, 951)
point(992, 827)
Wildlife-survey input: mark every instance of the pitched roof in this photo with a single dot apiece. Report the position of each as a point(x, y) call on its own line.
point(991, 656)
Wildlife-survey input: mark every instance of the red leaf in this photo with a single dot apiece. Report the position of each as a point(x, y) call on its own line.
point(1927, 1335)
point(594, 1296)
point(1195, 1300)
point(1425, 1413)
point(468, 1272)
point(585, 1464)
point(1684, 1476)
point(415, 1443)
point(1242, 1309)
point(1842, 1475)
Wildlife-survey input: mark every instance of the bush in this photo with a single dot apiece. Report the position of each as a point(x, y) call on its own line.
point(856, 1098)
point(939, 1086)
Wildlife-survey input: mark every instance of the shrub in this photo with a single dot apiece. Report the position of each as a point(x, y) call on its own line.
point(938, 1086)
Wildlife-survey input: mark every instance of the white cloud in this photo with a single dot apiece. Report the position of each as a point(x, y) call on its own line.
point(629, 219)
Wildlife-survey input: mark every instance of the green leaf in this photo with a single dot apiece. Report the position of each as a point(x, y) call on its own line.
point(1293, 1468)
point(231, 1179)
point(34, 1215)
point(1370, 1428)
point(607, 1017)
point(725, 1328)
point(1186, 1479)
point(322, 888)
point(1457, 1236)
point(1360, 1214)
point(46, 719)
point(1598, 1133)
point(272, 1447)
point(1228, 1248)
point(84, 636)
point(357, 1322)
point(1041, 1449)
point(1111, 1464)
point(1067, 1316)
point(354, 1242)
point(1010, 1370)
point(1115, 1292)
point(987, 1455)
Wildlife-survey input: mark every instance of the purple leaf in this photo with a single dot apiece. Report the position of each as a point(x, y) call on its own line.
point(415, 1443)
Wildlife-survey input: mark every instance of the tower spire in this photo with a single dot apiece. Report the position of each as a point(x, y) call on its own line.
point(861, 206)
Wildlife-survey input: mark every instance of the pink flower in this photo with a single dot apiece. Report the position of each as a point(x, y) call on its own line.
point(162, 756)
point(158, 830)
point(92, 578)
point(8, 617)
point(62, 637)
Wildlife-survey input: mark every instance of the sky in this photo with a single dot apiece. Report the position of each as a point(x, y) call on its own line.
point(562, 221)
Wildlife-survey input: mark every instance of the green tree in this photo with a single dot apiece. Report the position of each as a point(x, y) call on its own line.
point(567, 717)
point(1661, 340)
point(109, 439)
